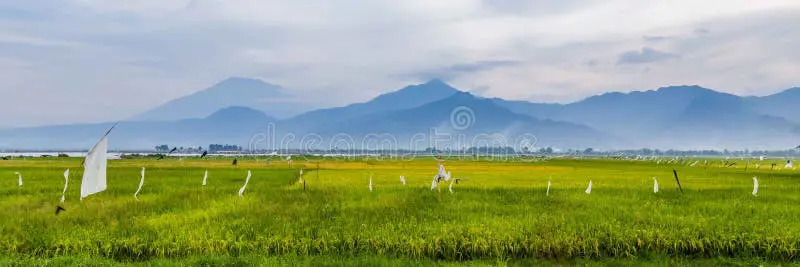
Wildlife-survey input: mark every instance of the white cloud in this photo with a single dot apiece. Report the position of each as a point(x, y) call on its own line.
point(132, 55)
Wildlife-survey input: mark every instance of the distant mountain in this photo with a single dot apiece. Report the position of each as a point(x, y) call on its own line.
point(679, 117)
point(235, 91)
point(235, 125)
point(726, 121)
point(479, 121)
point(622, 114)
point(538, 110)
point(636, 113)
point(783, 104)
point(675, 117)
point(405, 98)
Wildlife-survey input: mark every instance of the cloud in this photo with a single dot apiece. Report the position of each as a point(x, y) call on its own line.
point(701, 31)
point(646, 55)
point(656, 38)
point(132, 55)
point(454, 71)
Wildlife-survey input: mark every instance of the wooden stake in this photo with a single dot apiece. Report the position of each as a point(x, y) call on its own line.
point(677, 180)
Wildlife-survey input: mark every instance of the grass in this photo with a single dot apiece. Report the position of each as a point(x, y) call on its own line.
point(499, 216)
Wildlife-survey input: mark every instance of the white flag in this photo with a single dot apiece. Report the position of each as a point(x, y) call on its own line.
point(403, 179)
point(66, 182)
point(589, 189)
point(655, 185)
point(451, 186)
point(370, 183)
point(548, 188)
point(205, 177)
point(241, 191)
point(755, 186)
point(94, 174)
point(141, 183)
point(442, 173)
point(19, 177)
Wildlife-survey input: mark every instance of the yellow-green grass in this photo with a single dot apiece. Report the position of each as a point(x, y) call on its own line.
point(501, 213)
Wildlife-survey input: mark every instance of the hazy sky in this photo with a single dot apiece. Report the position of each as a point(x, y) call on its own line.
point(64, 61)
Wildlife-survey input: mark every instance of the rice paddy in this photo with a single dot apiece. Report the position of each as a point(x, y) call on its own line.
point(501, 214)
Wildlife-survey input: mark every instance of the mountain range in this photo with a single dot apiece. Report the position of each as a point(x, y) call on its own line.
point(680, 117)
point(434, 114)
point(235, 91)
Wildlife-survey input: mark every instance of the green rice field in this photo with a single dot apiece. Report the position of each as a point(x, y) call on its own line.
point(500, 214)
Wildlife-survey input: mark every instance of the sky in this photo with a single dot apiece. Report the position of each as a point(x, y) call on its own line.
point(69, 61)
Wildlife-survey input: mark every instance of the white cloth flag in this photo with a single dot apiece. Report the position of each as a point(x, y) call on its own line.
point(451, 187)
point(141, 183)
point(66, 182)
point(443, 173)
point(655, 185)
point(548, 188)
point(403, 179)
point(755, 186)
point(241, 191)
point(589, 189)
point(19, 177)
point(94, 174)
point(370, 183)
point(205, 177)
point(300, 180)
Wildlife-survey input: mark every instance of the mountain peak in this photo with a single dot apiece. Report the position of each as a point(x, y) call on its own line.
point(233, 91)
point(239, 83)
point(684, 88)
point(420, 94)
point(436, 81)
point(408, 97)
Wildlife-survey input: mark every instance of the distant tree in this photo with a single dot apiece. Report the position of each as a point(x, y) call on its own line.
point(218, 147)
point(588, 151)
point(162, 148)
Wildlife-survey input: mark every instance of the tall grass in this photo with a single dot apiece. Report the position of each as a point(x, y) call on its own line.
point(500, 213)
